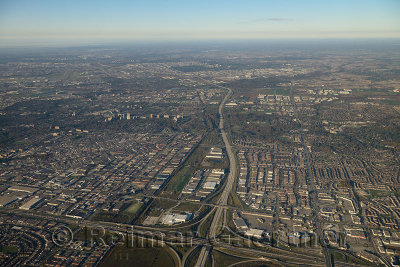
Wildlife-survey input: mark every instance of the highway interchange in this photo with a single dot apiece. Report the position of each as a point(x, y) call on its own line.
point(167, 236)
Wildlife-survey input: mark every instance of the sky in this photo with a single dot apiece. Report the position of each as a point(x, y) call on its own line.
point(27, 21)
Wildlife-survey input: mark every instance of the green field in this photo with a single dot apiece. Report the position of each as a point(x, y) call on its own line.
point(350, 259)
point(377, 193)
point(180, 179)
point(234, 200)
point(222, 259)
point(194, 162)
point(134, 207)
point(143, 257)
point(107, 216)
point(205, 225)
point(10, 250)
point(21, 142)
point(192, 258)
point(187, 207)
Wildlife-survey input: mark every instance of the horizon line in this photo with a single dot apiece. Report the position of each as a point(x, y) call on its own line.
point(70, 42)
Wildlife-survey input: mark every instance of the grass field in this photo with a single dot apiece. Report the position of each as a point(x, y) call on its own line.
point(143, 257)
point(376, 193)
point(192, 259)
point(180, 179)
point(181, 250)
point(222, 259)
point(234, 200)
point(10, 249)
point(350, 259)
point(21, 142)
point(205, 225)
point(134, 207)
point(187, 207)
point(107, 216)
point(158, 206)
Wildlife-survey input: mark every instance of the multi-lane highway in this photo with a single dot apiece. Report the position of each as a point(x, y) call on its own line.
point(218, 219)
point(223, 200)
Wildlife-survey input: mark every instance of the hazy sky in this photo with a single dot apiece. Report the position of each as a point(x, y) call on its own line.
point(78, 20)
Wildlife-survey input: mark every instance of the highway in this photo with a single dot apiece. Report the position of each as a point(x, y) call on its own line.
point(279, 255)
point(201, 261)
point(223, 200)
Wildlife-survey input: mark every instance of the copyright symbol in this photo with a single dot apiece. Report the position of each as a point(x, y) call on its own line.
point(62, 236)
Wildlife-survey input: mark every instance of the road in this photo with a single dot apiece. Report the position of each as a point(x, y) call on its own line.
point(201, 261)
point(272, 253)
point(223, 200)
point(313, 196)
point(220, 209)
point(316, 208)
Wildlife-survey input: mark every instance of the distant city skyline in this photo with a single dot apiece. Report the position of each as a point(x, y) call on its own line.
point(24, 22)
